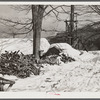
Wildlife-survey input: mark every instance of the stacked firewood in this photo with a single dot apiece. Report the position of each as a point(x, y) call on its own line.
point(20, 65)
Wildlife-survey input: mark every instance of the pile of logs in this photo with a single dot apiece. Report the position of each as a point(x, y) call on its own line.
point(56, 54)
point(20, 65)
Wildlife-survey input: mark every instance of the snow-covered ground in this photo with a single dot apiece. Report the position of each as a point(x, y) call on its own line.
point(82, 75)
point(78, 76)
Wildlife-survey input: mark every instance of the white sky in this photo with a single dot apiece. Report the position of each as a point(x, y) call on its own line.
point(48, 22)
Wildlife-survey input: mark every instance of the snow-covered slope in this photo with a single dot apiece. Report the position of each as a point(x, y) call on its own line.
point(82, 75)
point(78, 76)
point(70, 77)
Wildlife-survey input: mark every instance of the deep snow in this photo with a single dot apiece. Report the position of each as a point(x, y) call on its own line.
point(82, 75)
point(70, 77)
point(25, 45)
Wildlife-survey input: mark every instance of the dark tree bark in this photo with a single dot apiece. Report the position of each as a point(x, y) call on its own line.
point(72, 23)
point(37, 17)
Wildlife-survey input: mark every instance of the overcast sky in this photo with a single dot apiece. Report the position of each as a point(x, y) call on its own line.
point(48, 22)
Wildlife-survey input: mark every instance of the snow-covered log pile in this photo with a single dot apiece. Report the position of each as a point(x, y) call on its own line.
point(63, 52)
point(26, 47)
point(63, 48)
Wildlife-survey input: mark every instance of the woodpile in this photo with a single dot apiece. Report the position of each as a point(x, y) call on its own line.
point(20, 65)
point(62, 52)
point(23, 65)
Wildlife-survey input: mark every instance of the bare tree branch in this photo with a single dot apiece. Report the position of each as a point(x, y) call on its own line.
point(95, 8)
point(53, 30)
point(46, 13)
point(15, 22)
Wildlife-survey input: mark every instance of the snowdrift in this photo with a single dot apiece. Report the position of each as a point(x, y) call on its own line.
point(44, 45)
point(82, 75)
point(71, 77)
point(25, 45)
point(66, 49)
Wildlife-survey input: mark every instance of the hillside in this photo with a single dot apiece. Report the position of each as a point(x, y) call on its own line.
point(90, 35)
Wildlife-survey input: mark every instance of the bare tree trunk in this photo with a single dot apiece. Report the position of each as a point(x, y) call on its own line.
point(37, 16)
point(71, 23)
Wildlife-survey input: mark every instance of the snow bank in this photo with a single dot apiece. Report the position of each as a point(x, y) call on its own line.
point(86, 56)
point(25, 45)
point(44, 45)
point(78, 76)
point(70, 77)
point(62, 46)
point(67, 50)
point(82, 75)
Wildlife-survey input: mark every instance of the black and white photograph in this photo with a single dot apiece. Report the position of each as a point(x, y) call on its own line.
point(50, 48)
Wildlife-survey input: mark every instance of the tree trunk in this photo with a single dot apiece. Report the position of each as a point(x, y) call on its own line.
point(71, 23)
point(37, 16)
